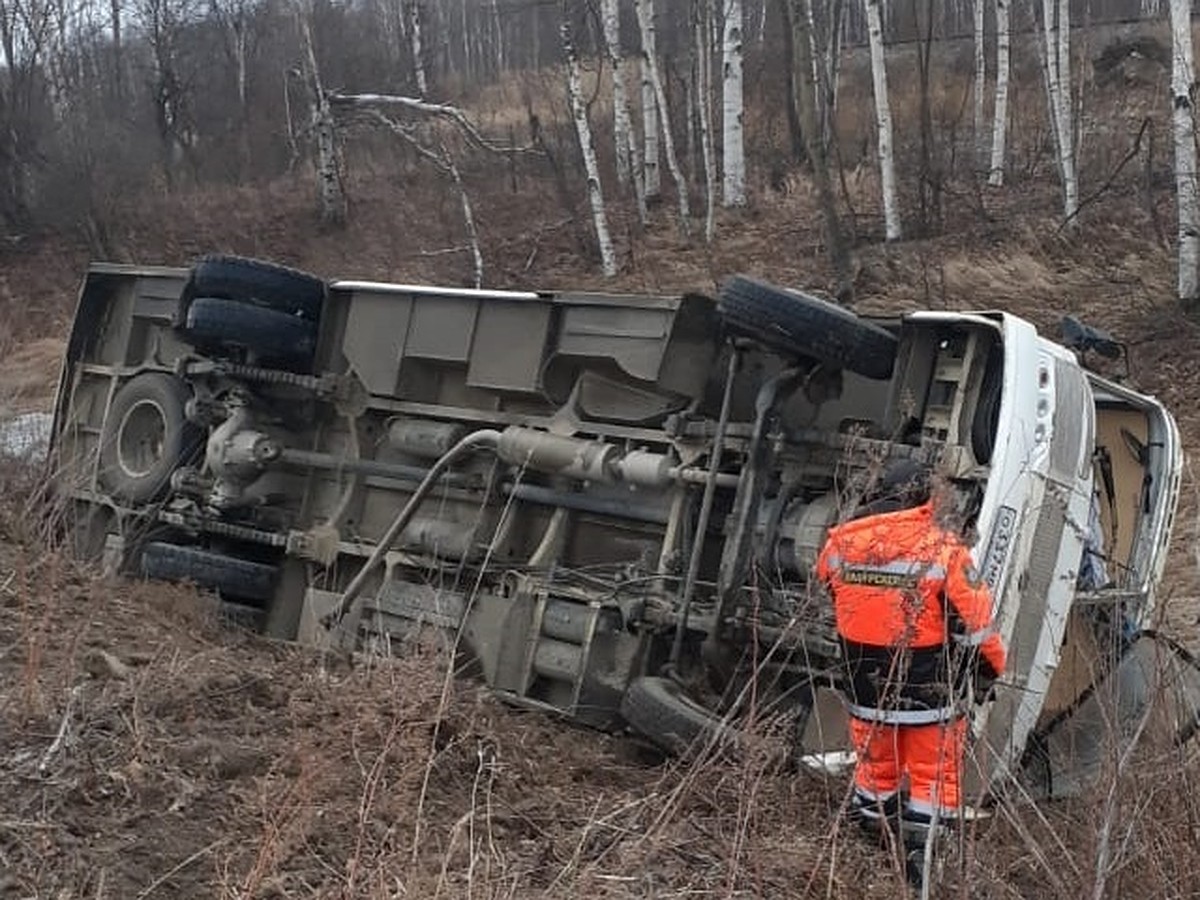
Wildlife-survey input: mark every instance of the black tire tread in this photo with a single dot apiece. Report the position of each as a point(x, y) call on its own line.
point(229, 575)
point(799, 324)
point(216, 323)
point(259, 283)
point(657, 708)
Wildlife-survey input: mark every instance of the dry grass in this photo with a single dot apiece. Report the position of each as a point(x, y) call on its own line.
point(30, 375)
point(217, 765)
point(150, 752)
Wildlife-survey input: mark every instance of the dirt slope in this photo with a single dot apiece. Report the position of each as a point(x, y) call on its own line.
point(195, 761)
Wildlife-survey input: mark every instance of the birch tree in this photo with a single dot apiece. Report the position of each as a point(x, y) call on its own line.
point(827, 53)
point(444, 162)
point(701, 26)
point(883, 121)
point(235, 17)
point(1183, 77)
point(1056, 67)
point(407, 118)
point(624, 137)
point(498, 29)
point(732, 108)
point(608, 259)
point(1000, 111)
point(652, 175)
point(645, 14)
point(331, 192)
point(610, 14)
point(792, 107)
point(799, 14)
point(416, 43)
point(691, 133)
point(979, 83)
point(57, 69)
point(164, 22)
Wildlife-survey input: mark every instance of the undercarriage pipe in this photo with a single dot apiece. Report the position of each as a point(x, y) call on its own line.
point(369, 467)
point(484, 439)
point(603, 506)
point(706, 502)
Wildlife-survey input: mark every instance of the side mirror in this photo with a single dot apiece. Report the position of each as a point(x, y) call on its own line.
point(1081, 337)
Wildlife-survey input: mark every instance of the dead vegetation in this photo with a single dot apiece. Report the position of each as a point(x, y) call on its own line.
point(161, 755)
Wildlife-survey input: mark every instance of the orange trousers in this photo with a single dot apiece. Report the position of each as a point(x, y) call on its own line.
point(930, 755)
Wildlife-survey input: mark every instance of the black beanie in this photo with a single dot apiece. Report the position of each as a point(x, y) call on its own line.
point(904, 480)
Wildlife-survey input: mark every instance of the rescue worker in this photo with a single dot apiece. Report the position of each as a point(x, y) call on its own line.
point(914, 619)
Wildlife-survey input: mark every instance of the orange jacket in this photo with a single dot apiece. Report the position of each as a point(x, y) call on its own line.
point(905, 587)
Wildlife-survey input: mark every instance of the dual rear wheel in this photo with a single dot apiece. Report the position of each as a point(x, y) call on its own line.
point(252, 311)
point(230, 308)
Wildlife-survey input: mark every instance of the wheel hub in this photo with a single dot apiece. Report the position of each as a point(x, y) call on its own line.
point(141, 438)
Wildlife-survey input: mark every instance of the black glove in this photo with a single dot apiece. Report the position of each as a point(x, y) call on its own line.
point(985, 690)
point(984, 681)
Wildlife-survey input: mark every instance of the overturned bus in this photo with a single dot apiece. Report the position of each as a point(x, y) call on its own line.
point(610, 505)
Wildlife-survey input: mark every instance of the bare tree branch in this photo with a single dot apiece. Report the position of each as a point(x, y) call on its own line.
point(425, 108)
point(444, 162)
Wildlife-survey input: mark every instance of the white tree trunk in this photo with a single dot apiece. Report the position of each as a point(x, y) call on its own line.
point(818, 74)
point(1000, 112)
point(653, 175)
point(1066, 108)
point(883, 119)
point(690, 116)
point(415, 41)
point(466, 38)
point(979, 85)
point(610, 13)
point(833, 58)
point(498, 29)
point(608, 258)
point(468, 219)
point(1056, 64)
point(1183, 76)
point(628, 147)
point(1067, 92)
point(646, 26)
point(329, 175)
point(704, 96)
point(806, 87)
point(56, 80)
point(826, 31)
point(330, 190)
point(732, 108)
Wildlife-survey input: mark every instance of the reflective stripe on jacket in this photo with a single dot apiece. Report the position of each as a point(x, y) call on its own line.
point(910, 608)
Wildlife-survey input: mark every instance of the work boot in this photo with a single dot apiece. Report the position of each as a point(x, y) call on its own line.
point(916, 830)
point(914, 867)
point(877, 819)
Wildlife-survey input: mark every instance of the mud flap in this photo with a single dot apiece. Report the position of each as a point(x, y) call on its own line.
point(1152, 695)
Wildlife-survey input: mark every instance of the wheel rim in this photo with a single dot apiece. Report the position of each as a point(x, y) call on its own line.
point(141, 438)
